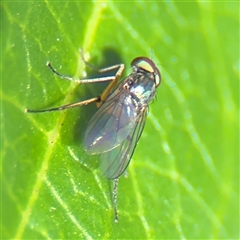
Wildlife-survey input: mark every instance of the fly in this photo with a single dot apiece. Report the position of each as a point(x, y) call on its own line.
point(115, 128)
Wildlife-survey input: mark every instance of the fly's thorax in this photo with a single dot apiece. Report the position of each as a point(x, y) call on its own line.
point(142, 87)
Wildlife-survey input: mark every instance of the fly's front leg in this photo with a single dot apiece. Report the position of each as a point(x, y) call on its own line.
point(80, 81)
point(114, 79)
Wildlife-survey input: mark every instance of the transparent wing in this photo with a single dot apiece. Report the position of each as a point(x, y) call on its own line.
point(114, 162)
point(111, 124)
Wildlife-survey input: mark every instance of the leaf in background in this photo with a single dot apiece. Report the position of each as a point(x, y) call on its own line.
point(183, 179)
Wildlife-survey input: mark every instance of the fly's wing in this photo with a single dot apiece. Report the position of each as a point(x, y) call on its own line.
point(113, 163)
point(111, 124)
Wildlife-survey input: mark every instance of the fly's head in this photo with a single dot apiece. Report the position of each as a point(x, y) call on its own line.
point(147, 66)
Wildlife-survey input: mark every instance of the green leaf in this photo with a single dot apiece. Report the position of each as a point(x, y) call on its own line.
point(183, 179)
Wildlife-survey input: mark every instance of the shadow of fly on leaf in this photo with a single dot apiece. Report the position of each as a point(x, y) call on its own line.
point(115, 128)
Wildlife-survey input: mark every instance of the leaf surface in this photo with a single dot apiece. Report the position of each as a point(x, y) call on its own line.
point(183, 179)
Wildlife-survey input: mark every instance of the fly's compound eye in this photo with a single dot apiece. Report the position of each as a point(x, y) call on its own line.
point(147, 65)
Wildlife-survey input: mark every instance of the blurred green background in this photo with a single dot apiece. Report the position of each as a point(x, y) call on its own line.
point(183, 179)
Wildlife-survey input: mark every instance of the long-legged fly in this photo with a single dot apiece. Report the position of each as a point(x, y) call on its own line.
point(115, 128)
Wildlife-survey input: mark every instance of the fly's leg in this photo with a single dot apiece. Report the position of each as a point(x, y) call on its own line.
point(115, 186)
point(71, 105)
point(99, 99)
point(112, 79)
point(80, 81)
point(113, 83)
